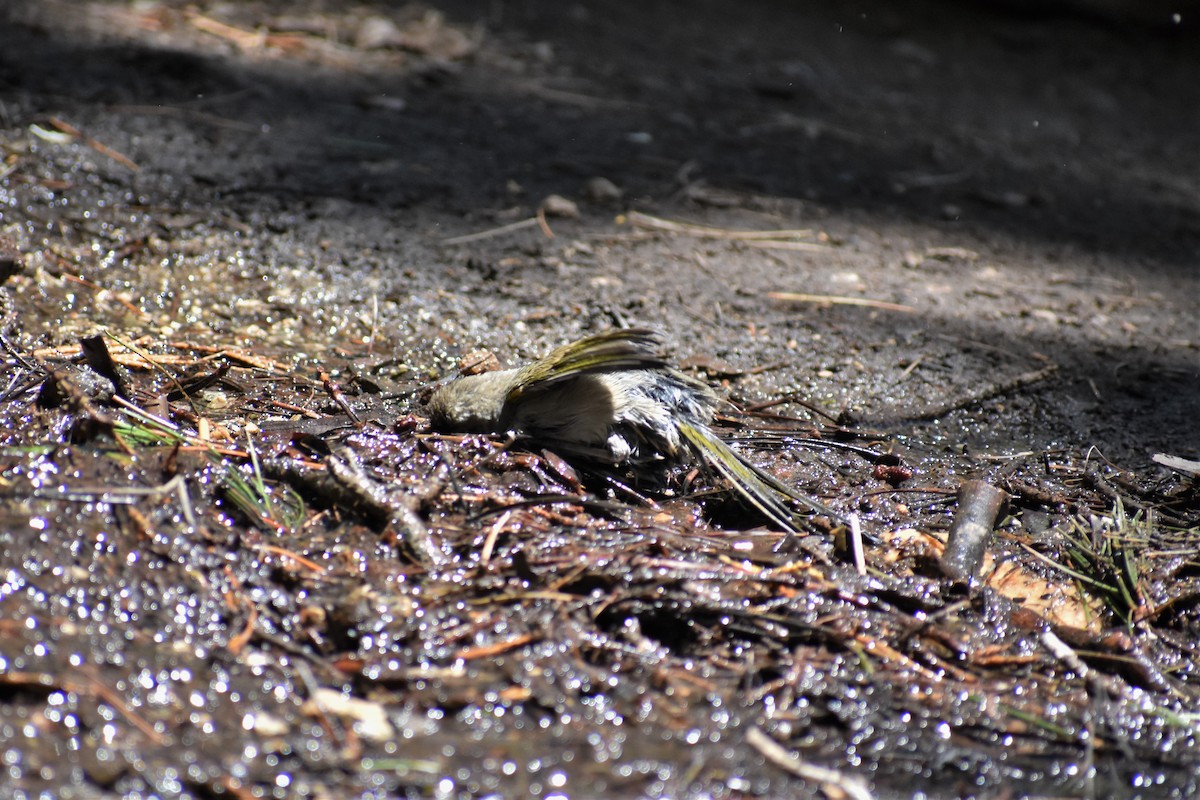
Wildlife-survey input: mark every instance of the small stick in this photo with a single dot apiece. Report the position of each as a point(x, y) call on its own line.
point(789, 399)
point(976, 397)
point(909, 369)
point(152, 362)
point(307, 563)
point(89, 284)
point(640, 220)
point(833, 783)
point(856, 545)
point(839, 300)
point(309, 413)
point(387, 502)
point(489, 543)
point(488, 234)
point(808, 247)
point(541, 221)
point(189, 115)
point(98, 146)
point(238, 642)
point(1183, 465)
point(246, 40)
point(494, 649)
point(92, 686)
point(374, 322)
point(335, 391)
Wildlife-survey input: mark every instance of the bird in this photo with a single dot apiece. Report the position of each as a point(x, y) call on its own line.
point(611, 398)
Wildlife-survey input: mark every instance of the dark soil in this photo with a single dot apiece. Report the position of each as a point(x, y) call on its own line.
point(949, 242)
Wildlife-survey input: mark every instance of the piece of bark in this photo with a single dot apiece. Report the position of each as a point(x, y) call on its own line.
point(979, 506)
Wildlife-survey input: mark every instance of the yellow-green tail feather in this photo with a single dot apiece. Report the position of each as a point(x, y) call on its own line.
point(745, 478)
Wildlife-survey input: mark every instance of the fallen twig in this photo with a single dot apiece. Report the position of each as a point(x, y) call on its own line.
point(511, 227)
point(839, 300)
point(96, 145)
point(980, 395)
point(808, 247)
point(647, 222)
point(388, 502)
point(833, 783)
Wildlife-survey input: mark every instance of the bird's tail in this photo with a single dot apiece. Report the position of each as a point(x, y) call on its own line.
point(756, 486)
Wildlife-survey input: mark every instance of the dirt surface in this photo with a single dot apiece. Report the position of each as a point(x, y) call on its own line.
point(961, 239)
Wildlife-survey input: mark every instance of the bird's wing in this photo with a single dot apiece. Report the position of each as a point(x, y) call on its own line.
point(627, 348)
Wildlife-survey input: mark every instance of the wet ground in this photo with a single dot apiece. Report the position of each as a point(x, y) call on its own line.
point(949, 244)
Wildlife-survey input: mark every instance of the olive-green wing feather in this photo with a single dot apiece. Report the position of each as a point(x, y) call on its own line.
point(628, 348)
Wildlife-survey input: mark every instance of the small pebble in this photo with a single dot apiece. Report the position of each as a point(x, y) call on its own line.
point(602, 190)
point(478, 361)
point(558, 206)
